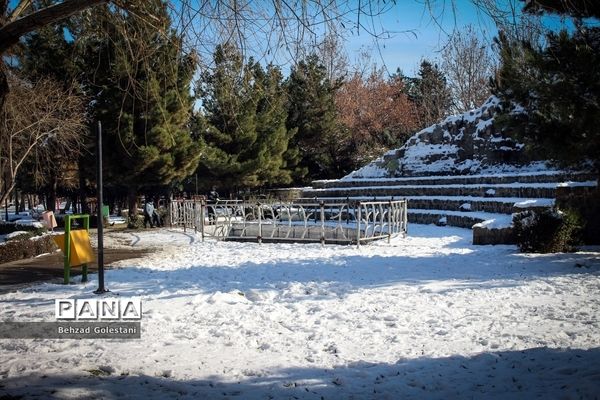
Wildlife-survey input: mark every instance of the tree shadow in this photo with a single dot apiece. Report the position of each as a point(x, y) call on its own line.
point(342, 274)
point(526, 374)
point(455, 266)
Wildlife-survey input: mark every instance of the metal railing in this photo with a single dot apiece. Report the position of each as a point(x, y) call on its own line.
point(350, 222)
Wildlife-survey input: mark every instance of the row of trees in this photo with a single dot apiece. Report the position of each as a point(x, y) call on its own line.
point(247, 125)
point(238, 125)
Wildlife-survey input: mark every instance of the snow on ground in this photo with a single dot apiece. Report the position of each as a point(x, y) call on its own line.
point(429, 316)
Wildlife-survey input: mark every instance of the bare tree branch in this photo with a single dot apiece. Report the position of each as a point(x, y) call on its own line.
point(14, 30)
point(40, 118)
point(22, 6)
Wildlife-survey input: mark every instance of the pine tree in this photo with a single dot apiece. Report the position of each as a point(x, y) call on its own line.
point(243, 130)
point(559, 88)
point(575, 8)
point(433, 97)
point(273, 135)
point(312, 112)
point(47, 54)
point(141, 90)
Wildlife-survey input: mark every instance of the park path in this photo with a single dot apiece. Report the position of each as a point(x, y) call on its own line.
point(19, 274)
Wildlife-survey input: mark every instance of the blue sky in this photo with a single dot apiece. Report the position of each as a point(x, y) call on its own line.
point(417, 34)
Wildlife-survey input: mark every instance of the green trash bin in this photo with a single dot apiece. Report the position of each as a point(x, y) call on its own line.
point(105, 213)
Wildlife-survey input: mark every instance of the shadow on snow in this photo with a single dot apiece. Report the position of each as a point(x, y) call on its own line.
point(532, 373)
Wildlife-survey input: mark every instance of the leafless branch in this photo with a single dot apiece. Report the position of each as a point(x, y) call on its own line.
point(42, 119)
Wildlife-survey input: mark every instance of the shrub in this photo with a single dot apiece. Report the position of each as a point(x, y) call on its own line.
point(135, 222)
point(21, 236)
point(547, 231)
point(19, 248)
point(10, 227)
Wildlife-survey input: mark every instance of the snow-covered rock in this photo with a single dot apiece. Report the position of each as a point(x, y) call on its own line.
point(461, 144)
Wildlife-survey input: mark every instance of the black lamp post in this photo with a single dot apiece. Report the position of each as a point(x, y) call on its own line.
point(101, 289)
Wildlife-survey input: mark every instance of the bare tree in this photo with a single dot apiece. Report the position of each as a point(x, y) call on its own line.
point(332, 54)
point(376, 113)
point(41, 119)
point(468, 65)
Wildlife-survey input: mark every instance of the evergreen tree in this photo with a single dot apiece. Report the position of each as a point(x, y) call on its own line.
point(575, 8)
point(559, 88)
point(273, 135)
point(312, 112)
point(44, 54)
point(242, 129)
point(432, 94)
point(141, 90)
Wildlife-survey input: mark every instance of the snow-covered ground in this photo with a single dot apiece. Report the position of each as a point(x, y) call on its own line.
point(428, 316)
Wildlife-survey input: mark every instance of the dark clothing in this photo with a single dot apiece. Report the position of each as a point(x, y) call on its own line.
point(156, 219)
point(213, 196)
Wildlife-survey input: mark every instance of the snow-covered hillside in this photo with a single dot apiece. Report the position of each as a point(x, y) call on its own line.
point(429, 316)
point(462, 144)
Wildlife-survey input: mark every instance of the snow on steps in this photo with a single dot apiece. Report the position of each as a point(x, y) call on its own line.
point(515, 189)
point(463, 156)
point(484, 179)
point(482, 202)
point(502, 205)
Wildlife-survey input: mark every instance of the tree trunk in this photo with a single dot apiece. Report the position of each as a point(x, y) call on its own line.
point(132, 203)
point(22, 208)
point(12, 29)
point(85, 209)
point(11, 32)
point(3, 84)
point(16, 194)
point(51, 195)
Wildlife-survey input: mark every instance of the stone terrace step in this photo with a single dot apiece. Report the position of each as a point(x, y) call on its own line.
point(486, 201)
point(503, 205)
point(531, 177)
point(521, 190)
point(456, 218)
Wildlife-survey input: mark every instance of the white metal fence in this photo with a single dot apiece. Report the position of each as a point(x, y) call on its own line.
point(349, 222)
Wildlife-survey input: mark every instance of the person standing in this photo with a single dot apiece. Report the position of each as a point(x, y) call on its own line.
point(213, 195)
point(213, 198)
point(148, 213)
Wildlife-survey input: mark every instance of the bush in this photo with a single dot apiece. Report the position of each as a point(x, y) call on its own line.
point(10, 227)
point(21, 236)
point(19, 248)
point(547, 231)
point(135, 222)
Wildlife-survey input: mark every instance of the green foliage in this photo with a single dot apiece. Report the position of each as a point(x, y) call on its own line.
point(575, 8)
point(314, 150)
point(391, 165)
point(47, 54)
point(141, 88)
point(431, 93)
point(242, 130)
point(559, 89)
point(547, 231)
point(587, 204)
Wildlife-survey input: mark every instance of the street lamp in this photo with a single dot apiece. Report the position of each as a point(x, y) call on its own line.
point(101, 289)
